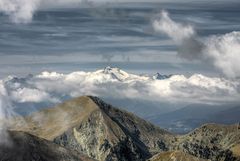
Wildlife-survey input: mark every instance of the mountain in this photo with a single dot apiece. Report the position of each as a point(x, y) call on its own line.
point(90, 126)
point(138, 106)
point(228, 116)
point(192, 116)
point(160, 76)
point(160, 93)
point(212, 141)
point(26, 147)
point(114, 73)
point(103, 132)
point(175, 156)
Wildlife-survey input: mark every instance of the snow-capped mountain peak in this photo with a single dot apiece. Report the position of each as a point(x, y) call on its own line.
point(53, 86)
point(159, 76)
point(115, 73)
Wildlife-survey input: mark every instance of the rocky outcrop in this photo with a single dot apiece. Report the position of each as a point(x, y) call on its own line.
point(25, 147)
point(112, 134)
point(90, 126)
point(212, 142)
point(101, 141)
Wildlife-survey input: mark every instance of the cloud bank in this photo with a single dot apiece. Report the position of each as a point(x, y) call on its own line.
point(54, 87)
point(49, 88)
point(221, 51)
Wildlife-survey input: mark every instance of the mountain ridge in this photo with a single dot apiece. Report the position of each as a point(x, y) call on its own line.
point(193, 116)
point(22, 146)
point(101, 131)
point(118, 128)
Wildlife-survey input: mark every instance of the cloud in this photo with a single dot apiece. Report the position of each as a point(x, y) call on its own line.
point(22, 95)
point(4, 102)
point(49, 88)
point(22, 11)
point(178, 32)
point(183, 35)
point(5, 113)
point(224, 52)
point(55, 87)
point(221, 51)
point(19, 11)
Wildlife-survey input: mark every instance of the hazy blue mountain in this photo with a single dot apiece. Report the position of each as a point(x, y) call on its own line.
point(186, 119)
point(228, 116)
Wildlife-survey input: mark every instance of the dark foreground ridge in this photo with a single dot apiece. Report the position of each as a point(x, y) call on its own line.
point(87, 125)
point(26, 147)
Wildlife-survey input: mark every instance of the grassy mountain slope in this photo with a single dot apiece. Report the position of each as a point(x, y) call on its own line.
point(89, 125)
point(103, 132)
point(175, 156)
point(211, 141)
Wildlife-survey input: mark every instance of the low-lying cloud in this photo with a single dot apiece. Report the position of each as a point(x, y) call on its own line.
point(49, 88)
point(5, 113)
point(54, 87)
point(221, 51)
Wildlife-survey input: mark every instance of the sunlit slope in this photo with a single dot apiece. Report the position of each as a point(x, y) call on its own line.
point(103, 132)
point(212, 141)
point(89, 125)
point(175, 156)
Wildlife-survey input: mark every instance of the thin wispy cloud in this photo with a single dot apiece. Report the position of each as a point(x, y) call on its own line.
point(22, 11)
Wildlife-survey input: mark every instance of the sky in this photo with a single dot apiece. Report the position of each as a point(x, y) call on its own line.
point(40, 35)
point(51, 51)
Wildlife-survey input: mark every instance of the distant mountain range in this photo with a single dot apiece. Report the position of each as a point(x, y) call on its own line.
point(87, 126)
point(188, 118)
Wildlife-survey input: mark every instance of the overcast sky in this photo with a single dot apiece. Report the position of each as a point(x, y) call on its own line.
point(88, 39)
point(196, 41)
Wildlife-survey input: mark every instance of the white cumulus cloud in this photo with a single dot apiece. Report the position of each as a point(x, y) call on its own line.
point(22, 11)
point(19, 11)
point(115, 83)
point(52, 88)
point(178, 32)
point(221, 51)
point(224, 51)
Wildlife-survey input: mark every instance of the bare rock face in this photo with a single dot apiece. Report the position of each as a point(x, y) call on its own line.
point(112, 134)
point(97, 140)
point(25, 147)
point(212, 142)
point(90, 126)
